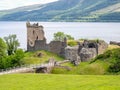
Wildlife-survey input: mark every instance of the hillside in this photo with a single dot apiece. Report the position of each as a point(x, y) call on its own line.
point(67, 10)
point(106, 63)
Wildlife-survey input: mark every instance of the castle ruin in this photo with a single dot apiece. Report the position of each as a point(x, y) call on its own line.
point(36, 40)
point(85, 51)
point(82, 52)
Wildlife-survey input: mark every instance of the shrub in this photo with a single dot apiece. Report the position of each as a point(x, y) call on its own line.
point(116, 53)
point(12, 60)
point(105, 55)
point(19, 54)
point(114, 67)
point(112, 56)
point(72, 43)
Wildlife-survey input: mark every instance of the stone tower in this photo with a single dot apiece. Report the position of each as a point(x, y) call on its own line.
point(37, 41)
point(35, 37)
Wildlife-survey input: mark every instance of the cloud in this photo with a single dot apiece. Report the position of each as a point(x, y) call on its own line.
point(8, 4)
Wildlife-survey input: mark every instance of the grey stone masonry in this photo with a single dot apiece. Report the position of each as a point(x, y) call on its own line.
point(85, 51)
point(37, 41)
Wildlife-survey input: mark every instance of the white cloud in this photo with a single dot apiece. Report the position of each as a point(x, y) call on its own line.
point(8, 4)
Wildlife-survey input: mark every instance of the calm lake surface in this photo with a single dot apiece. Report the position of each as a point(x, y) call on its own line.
point(105, 31)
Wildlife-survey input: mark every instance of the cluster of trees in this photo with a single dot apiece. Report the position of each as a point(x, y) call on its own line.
point(59, 36)
point(10, 55)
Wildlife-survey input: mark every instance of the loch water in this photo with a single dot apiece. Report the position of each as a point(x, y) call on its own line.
point(96, 30)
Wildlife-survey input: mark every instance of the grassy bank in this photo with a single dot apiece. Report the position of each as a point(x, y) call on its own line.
point(59, 82)
point(106, 63)
point(35, 58)
point(84, 68)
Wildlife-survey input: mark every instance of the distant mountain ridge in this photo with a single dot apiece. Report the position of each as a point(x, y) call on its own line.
point(67, 10)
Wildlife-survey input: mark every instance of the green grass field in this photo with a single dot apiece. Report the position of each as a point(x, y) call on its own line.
point(59, 82)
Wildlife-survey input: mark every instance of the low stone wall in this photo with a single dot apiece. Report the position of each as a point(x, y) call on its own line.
point(115, 43)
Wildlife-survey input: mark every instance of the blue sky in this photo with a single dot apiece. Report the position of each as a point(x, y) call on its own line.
point(9, 4)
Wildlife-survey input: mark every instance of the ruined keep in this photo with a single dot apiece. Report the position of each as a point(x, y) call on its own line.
point(36, 40)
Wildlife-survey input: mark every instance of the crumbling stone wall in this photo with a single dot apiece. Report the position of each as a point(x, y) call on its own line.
point(85, 51)
point(37, 41)
point(57, 47)
point(115, 43)
point(71, 53)
point(102, 45)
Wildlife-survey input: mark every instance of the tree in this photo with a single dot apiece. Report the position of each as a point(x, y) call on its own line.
point(2, 52)
point(59, 36)
point(69, 37)
point(12, 44)
point(12, 60)
point(2, 48)
point(17, 58)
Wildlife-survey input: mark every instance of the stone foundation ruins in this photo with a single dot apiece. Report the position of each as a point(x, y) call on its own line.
point(83, 52)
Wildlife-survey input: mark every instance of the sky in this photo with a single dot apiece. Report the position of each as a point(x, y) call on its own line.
point(9, 4)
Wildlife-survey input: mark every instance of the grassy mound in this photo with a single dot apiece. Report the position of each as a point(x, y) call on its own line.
point(85, 68)
point(113, 58)
point(35, 58)
point(113, 47)
point(59, 82)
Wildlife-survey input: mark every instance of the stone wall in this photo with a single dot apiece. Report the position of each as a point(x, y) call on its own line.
point(115, 43)
point(85, 51)
point(37, 41)
point(102, 46)
point(71, 53)
point(85, 54)
point(57, 47)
